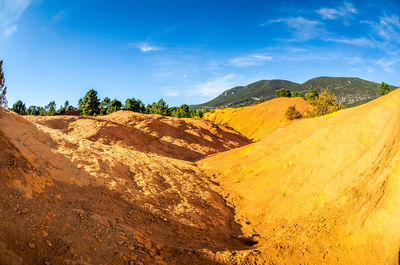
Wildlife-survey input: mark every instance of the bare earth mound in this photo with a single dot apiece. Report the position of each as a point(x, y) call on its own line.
point(124, 189)
point(74, 191)
point(319, 191)
point(187, 139)
point(255, 122)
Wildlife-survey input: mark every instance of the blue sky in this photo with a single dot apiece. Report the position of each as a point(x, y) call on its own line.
point(189, 51)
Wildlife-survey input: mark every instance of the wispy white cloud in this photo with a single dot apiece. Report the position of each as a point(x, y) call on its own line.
point(387, 64)
point(60, 16)
point(215, 86)
point(10, 12)
point(144, 46)
point(304, 29)
point(9, 31)
point(250, 60)
point(344, 11)
point(172, 93)
point(148, 48)
point(361, 42)
point(388, 28)
point(354, 60)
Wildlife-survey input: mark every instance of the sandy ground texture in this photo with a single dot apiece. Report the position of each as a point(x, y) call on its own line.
point(118, 189)
point(317, 191)
point(134, 189)
point(257, 121)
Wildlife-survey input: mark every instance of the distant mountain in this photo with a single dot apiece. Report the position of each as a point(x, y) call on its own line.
point(350, 91)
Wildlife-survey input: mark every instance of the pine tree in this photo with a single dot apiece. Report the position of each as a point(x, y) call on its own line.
point(104, 106)
point(19, 107)
point(3, 88)
point(160, 108)
point(50, 108)
point(383, 89)
point(115, 105)
point(134, 105)
point(90, 104)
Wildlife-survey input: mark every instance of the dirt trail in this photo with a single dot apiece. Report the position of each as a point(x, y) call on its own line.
point(319, 191)
point(73, 192)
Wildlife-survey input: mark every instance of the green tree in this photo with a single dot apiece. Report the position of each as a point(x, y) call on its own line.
point(292, 113)
point(134, 105)
point(19, 107)
point(297, 94)
point(80, 102)
point(3, 88)
point(324, 104)
point(312, 95)
point(34, 110)
point(90, 104)
point(283, 92)
point(64, 108)
point(182, 112)
point(160, 108)
point(115, 105)
point(104, 105)
point(50, 108)
point(383, 89)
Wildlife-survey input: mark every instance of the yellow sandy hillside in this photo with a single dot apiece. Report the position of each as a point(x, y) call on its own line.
point(319, 191)
point(259, 120)
point(111, 190)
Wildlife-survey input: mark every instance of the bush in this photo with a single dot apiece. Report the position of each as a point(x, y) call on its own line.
point(312, 95)
point(324, 104)
point(297, 94)
point(383, 89)
point(292, 113)
point(283, 92)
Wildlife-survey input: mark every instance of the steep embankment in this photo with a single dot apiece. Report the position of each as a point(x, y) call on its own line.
point(255, 122)
point(73, 191)
point(187, 139)
point(319, 191)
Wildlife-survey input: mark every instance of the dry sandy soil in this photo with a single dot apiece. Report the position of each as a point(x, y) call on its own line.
point(112, 190)
point(139, 189)
point(319, 191)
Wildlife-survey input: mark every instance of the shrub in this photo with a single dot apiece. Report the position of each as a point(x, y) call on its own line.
point(297, 94)
point(292, 113)
point(312, 95)
point(383, 89)
point(324, 104)
point(283, 92)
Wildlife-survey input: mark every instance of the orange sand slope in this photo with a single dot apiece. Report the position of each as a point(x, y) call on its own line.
point(74, 191)
point(187, 139)
point(318, 191)
point(259, 120)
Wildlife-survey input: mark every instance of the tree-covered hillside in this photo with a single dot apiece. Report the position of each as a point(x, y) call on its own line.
point(350, 91)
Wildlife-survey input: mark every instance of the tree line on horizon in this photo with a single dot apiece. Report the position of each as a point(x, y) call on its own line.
point(91, 105)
